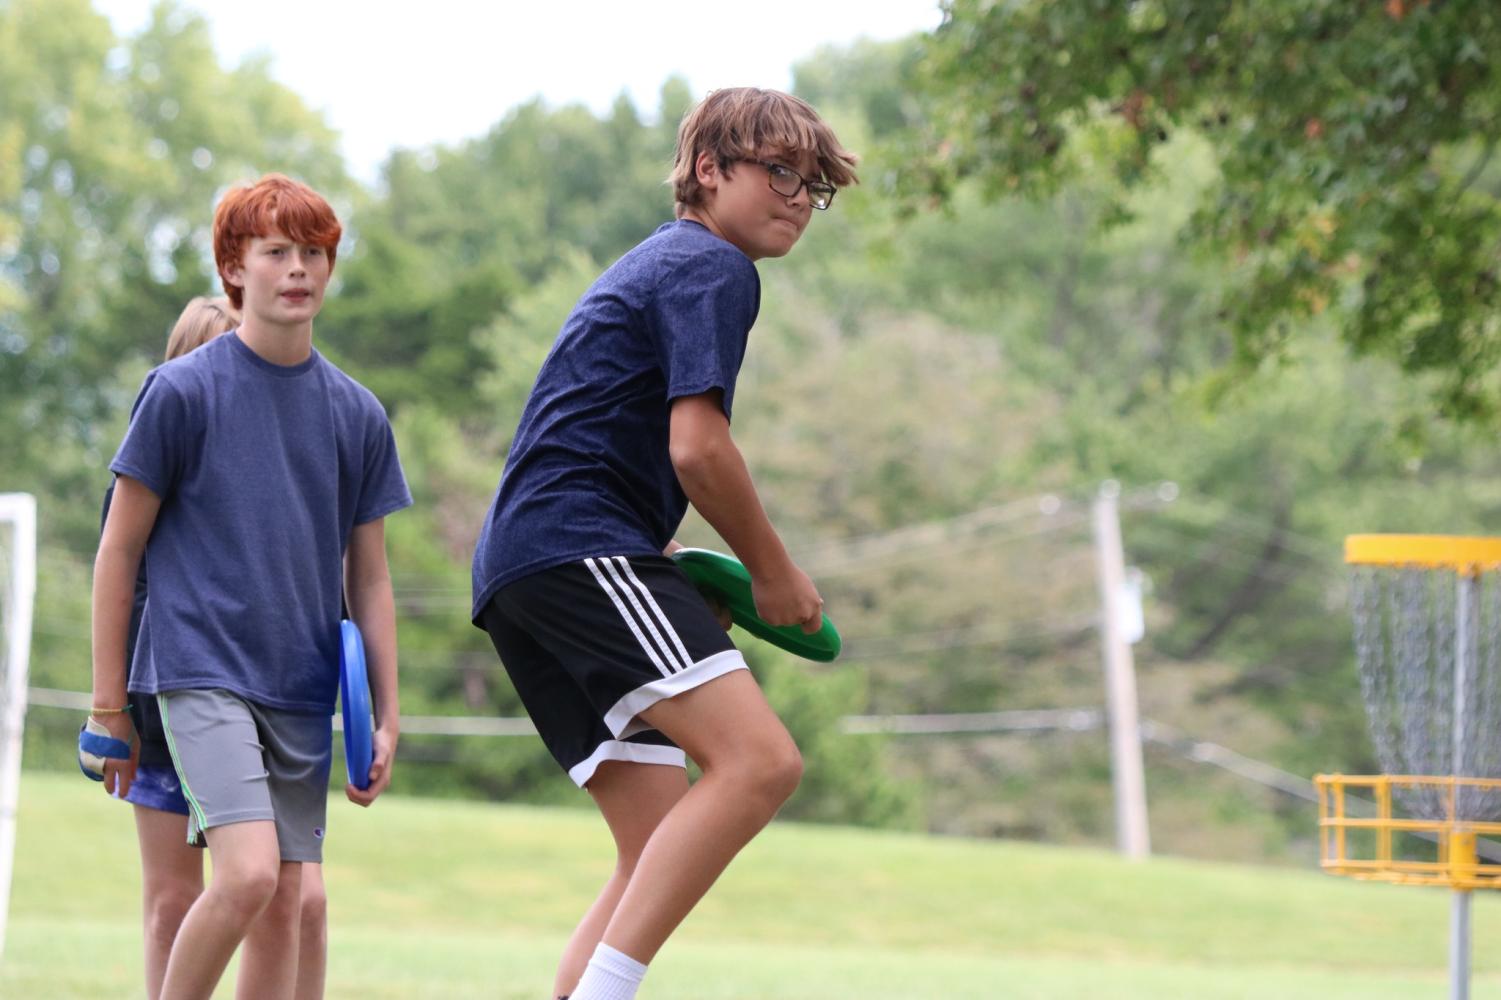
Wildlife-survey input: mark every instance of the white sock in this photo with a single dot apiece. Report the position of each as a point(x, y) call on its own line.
point(611, 975)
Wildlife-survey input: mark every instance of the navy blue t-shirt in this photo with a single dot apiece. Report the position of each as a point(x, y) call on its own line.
point(589, 472)
point(263, 471)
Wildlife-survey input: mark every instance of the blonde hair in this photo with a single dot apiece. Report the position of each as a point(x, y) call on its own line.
point(741, 123)
point(202, 320)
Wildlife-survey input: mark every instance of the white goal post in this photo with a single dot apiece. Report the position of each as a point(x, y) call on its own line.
point(17, 591)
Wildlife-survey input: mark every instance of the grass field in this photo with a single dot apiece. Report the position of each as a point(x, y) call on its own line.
point(458, 900)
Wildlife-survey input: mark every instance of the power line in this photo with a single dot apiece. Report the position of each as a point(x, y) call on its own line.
point(1018, 720)
point(927, 534)
point(411, 725)
point(1316, 548)
point(1014, 722)
point(1205, 752)
point(1075, 720)
point(975, 637)
point(836, 566)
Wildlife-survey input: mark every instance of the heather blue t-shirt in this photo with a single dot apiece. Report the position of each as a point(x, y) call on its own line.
point(589, 472)
point(263, 471)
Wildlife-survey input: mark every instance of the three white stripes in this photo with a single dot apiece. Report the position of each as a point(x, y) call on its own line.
point(621, 583)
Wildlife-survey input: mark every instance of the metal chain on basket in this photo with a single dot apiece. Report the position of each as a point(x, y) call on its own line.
point(1425, 691)
point(1406, 629)
point(1482, 743)
point(1368, 606)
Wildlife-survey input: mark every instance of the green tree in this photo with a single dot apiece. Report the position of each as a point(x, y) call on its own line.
point(1353, 143)
point(111, 153)
point(461, 231)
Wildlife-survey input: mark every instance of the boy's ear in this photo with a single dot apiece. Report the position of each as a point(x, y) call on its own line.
point(234, 274)
point(706, 171)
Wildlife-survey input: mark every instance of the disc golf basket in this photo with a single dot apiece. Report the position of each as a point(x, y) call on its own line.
point(1427, 613)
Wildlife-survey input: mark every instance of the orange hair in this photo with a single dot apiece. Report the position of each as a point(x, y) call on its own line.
point(273, 203)
point(739, 123)
point(202, 320)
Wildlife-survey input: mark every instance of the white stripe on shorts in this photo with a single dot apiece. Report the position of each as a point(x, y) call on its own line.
point(622, 718)
point(638, 753)
point(647, 596)
point(666, 668)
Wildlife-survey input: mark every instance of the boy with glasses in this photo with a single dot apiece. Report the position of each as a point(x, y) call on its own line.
point(619, 661)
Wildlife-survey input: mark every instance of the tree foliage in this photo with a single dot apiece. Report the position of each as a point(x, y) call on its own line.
point(111, 153)
point(460, 232)
point(1354, 144)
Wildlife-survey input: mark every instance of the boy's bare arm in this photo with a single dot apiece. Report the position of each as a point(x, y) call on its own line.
point(714, 476)
point(132, 513)
point(372, 606)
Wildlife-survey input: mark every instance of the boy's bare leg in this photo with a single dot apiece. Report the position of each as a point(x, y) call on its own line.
point(750, 767)
point(268, 963)
point(633, 799)
point(247, 862)
point(312, 946)
point(171, 880)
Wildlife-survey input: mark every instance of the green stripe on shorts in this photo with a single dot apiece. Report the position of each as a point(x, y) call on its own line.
point(199, 819)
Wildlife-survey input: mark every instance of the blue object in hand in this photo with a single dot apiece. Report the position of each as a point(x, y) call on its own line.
point(354, 694)
point(95, 746)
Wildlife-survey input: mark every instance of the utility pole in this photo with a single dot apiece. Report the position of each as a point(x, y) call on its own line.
point(1126, 771)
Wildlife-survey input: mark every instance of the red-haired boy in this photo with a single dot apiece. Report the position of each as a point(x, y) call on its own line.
point(253, 479)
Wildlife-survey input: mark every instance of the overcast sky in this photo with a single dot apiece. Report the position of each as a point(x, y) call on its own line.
point(408, 74)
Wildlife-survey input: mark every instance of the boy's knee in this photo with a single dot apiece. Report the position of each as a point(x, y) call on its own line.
point(773, 773)
point(314, 905)
point(786, 772)
point(249, 890)
point(166, 908)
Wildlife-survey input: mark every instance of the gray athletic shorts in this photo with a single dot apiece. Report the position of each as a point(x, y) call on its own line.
point(239, 761)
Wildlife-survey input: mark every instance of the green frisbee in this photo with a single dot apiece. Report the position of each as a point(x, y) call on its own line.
point(726, 579)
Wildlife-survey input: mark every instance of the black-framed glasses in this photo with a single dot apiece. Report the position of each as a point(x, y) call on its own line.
point(788, 182)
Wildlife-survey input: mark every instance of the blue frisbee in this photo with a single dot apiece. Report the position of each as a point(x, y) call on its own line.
point(726, 579)
point(354, 694)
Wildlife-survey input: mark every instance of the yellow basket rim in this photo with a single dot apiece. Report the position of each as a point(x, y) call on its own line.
point(1457, 552)
point(1358, 780)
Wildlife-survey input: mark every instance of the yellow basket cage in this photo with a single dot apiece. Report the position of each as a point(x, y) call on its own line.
point(1360, 834)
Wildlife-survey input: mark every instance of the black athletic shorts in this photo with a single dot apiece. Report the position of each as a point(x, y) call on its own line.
point(590, 645)
point(148, 722)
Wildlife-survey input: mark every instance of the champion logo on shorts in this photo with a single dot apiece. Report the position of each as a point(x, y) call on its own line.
point(642, 614)
point(318, 832)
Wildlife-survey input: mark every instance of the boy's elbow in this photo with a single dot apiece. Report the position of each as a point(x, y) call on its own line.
point(123, 554)
point(364, 584)
point(693, 460)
